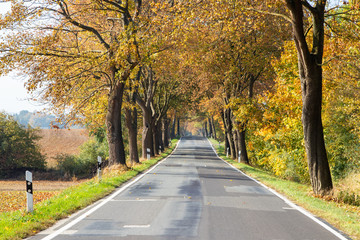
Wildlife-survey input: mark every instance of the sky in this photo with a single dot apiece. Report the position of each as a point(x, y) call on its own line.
point(13, 95)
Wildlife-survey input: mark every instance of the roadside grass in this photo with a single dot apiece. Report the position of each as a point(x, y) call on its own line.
point(20, 224)
point(342, 216)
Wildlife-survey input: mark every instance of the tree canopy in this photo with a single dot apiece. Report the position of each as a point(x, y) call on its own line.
point(277, 80)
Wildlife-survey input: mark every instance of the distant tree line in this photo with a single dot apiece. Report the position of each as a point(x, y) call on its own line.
point(38, 120)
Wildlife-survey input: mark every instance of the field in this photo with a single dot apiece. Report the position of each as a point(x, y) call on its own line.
point(57, 141)
point(52, 143)
point(13, 195)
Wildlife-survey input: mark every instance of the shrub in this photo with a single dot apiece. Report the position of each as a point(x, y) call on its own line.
point(18, 148)
point(349, 198)
point(84, 164)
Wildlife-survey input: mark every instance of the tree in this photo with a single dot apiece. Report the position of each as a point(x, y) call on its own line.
point(18, 148)
point(311, 77)
point(83, 58)
point(231, 49)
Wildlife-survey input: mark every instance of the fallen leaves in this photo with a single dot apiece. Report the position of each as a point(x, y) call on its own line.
point(15, 200)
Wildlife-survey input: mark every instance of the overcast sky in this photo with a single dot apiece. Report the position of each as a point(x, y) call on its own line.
point(13, 96)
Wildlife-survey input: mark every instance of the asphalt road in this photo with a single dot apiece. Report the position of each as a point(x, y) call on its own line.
point(191, 195)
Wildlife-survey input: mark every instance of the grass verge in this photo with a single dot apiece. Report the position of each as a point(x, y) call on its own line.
point(20, 224)
point(342, 216)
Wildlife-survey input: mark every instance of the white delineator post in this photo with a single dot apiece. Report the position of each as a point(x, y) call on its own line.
point(239, 156)
point(148, 153)
point(227, 152)
point(29, 192)
point(99, 167)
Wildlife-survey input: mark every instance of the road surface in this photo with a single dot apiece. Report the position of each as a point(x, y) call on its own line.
point(191, 195)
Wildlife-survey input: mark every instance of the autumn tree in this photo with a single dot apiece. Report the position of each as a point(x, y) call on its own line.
point(311, 76)
point(79, 56)
point(231, 49)
point(341, 87)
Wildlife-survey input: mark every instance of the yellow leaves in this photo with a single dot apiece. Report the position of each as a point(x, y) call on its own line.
point(15, 200)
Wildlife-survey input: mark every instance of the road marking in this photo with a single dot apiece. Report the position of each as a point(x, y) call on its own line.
point(102, 203)
point(287, 201)
point(289, 208)
point(135, 200)
point(70, 232)
point(136, 226)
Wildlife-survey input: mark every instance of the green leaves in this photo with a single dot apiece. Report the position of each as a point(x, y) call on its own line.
point(18, 148)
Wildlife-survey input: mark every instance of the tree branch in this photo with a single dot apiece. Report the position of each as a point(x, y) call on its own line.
point(308, 6)
point(272, 13)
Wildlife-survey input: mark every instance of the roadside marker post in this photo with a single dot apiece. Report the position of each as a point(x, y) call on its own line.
point(99, 167)
point(148, 153)
point(239, 156)
point(29, 192)
point(227, 152)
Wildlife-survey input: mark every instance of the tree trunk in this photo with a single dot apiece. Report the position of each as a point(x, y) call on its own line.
point(147, 133)
point(228, 126)
point(114, 128)
point(131, 123)
point(213, 126)
point(210, 128)
point(222, 114)
point(310, 71)
point(206, 130)
point(236, 143)
point(157, 137)
point(319, 170)
point(155, 140)
point(165, 136)
point(178, 128)
point(172, 133)
point(242, 143)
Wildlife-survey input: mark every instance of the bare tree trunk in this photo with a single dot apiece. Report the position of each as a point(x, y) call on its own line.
point(114, 126)
point(131, 123)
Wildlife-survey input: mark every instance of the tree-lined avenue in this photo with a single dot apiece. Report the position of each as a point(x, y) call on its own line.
point(193, 195)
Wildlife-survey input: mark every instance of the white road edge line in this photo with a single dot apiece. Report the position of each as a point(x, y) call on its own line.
point(136, 226)
point(103, 202)
point(291, 204)
point(136, 200)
